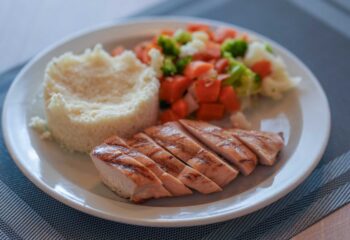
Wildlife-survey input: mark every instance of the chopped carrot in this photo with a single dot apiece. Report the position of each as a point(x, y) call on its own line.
point(207, 92)
point(196, 68)
point(117, 51)
point(168, 116)
point(212, 61)
point(141, 50)
point(210, 111)
point(262, 68)
point(172, 88)
point(223, 33)
point(229, 99)
point(167, 32)
point(221, 65)
point(180, 108)
point(193, 27)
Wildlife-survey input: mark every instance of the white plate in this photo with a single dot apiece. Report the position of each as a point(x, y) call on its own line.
point(303, 116)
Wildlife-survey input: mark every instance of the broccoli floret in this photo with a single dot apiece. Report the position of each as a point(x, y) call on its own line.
point(236, 47)
point(168, 68)
point(182, 36)
point(182, 63)
point(236, 73)
point(242, 79)
point(168, 45)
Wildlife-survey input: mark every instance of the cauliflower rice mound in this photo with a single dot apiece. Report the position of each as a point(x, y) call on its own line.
point(92, 96)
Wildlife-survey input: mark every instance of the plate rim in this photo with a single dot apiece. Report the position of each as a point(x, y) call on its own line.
point(290, 186)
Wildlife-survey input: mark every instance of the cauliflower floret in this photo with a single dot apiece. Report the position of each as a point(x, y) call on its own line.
point(156, 61)
point(279, 80)
point(192, 48)
point(274, 87)
point(200, 35)
point(257, 52)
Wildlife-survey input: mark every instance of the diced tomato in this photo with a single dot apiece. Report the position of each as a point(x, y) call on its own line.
point(221, 65)
point(223, 33)
point(212, 51)
point(172, 88)
point(180, 108)
point(193, 27)
point(207, 92)
point(210, 111)
point(196, 68)
point(117, 51)
point(229, 99)
point(168, 116)
point(262, 68)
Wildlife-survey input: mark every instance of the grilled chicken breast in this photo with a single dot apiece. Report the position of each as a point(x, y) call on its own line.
point(264, 144)
point(170, 164)
point(224, 144)
point(171, 183)
point(177, 141)
point(126, 176)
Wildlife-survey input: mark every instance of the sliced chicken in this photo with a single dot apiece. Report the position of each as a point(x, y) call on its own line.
point(170, 164)
point(264, 144)
point(126, 176)
point(171, 183)
point(224, 144)
point(176, 140)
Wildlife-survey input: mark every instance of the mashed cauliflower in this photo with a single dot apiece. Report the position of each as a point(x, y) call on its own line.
point(92, 96)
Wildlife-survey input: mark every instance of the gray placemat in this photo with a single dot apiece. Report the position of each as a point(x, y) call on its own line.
point(28, 213)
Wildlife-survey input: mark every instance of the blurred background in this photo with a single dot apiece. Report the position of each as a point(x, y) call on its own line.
point(26, 27)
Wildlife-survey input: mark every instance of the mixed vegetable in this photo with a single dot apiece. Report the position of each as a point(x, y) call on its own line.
point(205, 73)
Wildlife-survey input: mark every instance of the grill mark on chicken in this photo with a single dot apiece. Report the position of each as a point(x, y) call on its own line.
point(265, 144)
point(172, 165)
point(224, 144)
point(191, 176)
point(156, 153)
point(180, 143)
point(112, 155)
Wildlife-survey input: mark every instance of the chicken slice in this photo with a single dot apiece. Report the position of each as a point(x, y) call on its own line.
point(126, 176)
point(264, 144)
point(171, 183)
point(224, 144)
point(176, 140)
point(170, 164)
